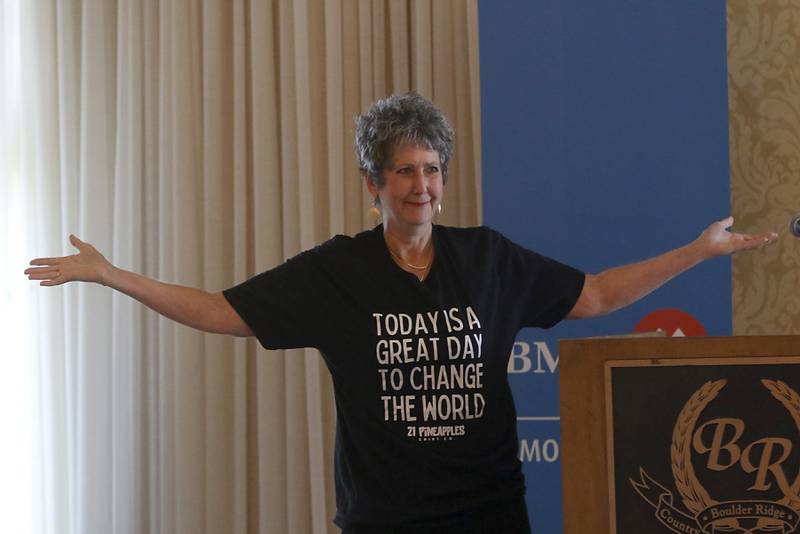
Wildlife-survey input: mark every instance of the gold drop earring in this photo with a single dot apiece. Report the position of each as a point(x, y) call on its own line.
point(374, 211)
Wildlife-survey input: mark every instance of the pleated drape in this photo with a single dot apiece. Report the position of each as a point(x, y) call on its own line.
point(201, 142)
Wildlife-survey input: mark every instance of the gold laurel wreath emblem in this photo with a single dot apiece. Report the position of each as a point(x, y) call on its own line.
point(695, 497)
point(791, 401)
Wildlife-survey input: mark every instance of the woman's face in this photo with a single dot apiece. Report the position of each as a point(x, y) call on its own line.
point(412, 189)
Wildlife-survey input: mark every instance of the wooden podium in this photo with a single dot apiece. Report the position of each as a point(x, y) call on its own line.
point(615, 392)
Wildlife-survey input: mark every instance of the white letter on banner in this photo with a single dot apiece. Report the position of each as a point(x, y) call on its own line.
point(543, 351)
point(535, 451)
point(519, 353)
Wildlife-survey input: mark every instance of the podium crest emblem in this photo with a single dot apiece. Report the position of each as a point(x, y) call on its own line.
point(717, 446)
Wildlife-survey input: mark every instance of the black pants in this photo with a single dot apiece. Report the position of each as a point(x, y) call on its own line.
point(507, 517)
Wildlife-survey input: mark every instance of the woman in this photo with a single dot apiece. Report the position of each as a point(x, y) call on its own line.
point(416, 323)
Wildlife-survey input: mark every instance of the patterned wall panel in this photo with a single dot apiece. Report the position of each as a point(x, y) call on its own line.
point(764, 112)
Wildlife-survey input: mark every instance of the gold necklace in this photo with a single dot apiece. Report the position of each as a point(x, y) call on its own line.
point(415, 267)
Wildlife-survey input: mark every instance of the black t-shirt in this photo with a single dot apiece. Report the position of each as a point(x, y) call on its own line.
point(426, 425)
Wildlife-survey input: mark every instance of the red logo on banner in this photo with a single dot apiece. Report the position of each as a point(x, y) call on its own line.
point(672, 321)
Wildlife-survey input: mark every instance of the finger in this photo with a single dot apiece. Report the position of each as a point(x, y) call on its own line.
point(47, 261)
point(749, 242)
point(44, 274)
point(726, 222)
point(31, 270)
point(77, 243)
point(49, 279)
point(765, 237)
point(769, 237)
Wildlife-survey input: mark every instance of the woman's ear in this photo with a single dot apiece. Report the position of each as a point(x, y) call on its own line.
point(371, 187)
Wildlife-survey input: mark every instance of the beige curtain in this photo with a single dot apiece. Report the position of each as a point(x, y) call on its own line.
point(202, 142)
point(764, 117)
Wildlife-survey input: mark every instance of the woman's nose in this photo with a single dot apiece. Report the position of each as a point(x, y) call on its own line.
point(420, 181)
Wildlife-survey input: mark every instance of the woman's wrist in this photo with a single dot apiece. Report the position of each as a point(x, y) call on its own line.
point(701, 250)
point(109, 275)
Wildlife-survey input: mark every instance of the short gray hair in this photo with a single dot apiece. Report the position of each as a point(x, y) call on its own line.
point(401, 119)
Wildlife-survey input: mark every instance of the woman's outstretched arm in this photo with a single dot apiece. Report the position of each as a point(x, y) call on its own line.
point(209, 312)
point(618, 287)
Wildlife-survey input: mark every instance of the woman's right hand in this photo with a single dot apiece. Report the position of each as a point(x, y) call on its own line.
point(88, 265)
point(209, 312)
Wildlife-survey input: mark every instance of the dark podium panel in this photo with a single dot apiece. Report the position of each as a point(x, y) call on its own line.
point(681, 435)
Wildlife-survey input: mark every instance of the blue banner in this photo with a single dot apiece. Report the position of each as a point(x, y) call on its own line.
point(605, 142)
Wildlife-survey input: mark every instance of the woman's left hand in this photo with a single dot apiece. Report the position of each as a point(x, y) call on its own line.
point(718, 240)
point(618, 287)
